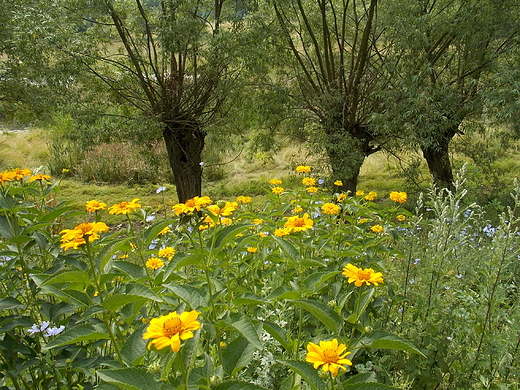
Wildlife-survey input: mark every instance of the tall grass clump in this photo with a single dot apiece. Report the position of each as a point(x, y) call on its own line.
point(308, 289)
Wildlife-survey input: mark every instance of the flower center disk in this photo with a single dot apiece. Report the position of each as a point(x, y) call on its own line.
point(172, 327)
point(330, 356)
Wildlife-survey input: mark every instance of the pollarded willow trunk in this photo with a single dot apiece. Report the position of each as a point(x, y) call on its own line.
point(184, 143)
point(346, 153)
point(438, 159)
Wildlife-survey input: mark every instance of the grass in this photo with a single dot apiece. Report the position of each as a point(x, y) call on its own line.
point(242, 175)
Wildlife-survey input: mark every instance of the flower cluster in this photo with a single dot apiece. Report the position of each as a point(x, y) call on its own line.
point(19, 174)
point(191, 205)
point(73, 238)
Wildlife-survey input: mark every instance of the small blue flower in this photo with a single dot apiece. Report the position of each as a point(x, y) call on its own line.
point(150, 218)
point(321, 181)
point(39, 328)
point(55, 330)
point(160, 189)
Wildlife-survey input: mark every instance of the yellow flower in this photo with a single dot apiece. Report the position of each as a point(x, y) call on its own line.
point(65, 170)
point(169, 330)
point(226, 221)
point(191, 205)
point(275, 182)
point(330, 355)
point(277, 190)
point(312, 190)
point(360, 276)
point(258, 221)
point(360, 193)
point(154, 263)
point(93, 205)
point(252, 249)
point(124, 207)
point(123, 257)
point(363, 220)
point(377, 229)
point(222, 344)
point(244, 199)
point(399, 197)
point(6, 176)
point(167, 253)
point(40, 177)
point(145, 320)
point(73, 238)
point(164, 231)
point(20, 173)
point(298, 224)
point(308, 181)
point(225, 211)
point(303, 169)
point(281, 232)
point(371, 196)
point(342, 197)
point(330, 208)
point(338, 183)
point(400, 217)
point(262, 234)
point(298, 209)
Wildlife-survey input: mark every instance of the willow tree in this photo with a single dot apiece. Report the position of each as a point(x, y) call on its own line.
point(337, 63)
point(168, 60)
point(448, 49)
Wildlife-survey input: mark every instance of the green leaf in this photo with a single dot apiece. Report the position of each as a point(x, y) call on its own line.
point(227, 234)
point(368, 386)
point(68, 277)
point(278, 334)
point(131, 293)
point(316, 279)
point(10, 322)
point(237, 385)
point(5, 226)
point(288, 248)
point(237, 355)
point(243, 325)
point(151, 233)
point(249, 299)
point(131, 378)
point(191, 259)
point(361, 378)
point(131, 269)
point(194, 297)
point(10, 303)
point(389, 341)
point(134, 347)
point(323, 313)
point(365, 300)
point(83, 332)
point(51, 216)
point(306, 371)
point(75, 298)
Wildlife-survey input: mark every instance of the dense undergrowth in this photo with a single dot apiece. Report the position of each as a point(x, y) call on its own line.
point(282, 293)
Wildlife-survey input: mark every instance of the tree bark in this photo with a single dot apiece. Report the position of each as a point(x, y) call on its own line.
point(184, 143)
point(439, 164)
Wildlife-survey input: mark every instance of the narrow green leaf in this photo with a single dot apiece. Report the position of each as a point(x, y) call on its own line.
point(278, 334)
point(237, 355)
point(68, 277)
point(237, 385)
point(151, 233)
point(243, 325)
point(368, 386)
point(249, 299)
point(131, 269)
point(134, 347)
point(194, 297)
point(306, 371)
point(389, 341)
point(227, 234)
point(10, 303)
point(323, 313)
point(288, 248)
point(361, 378)
point(83, 332)
point(191, 259)
point(131, 378)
